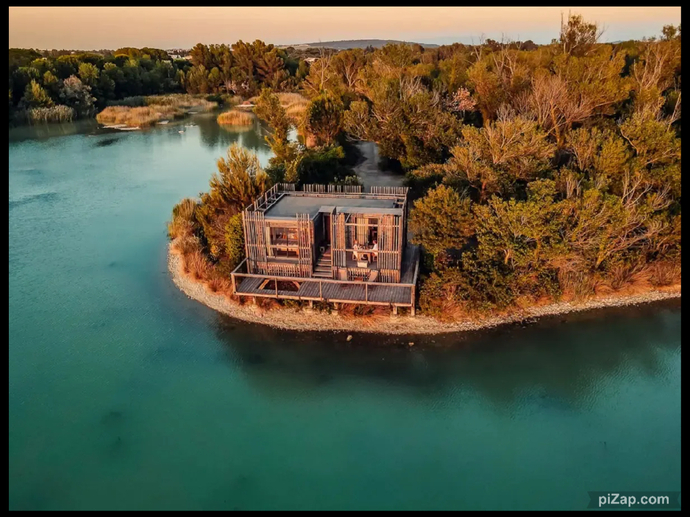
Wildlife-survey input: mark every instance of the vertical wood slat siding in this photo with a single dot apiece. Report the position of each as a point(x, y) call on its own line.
point(389, 255)
point(392, 237)
point(322, 189)
point(286, 187)
point(255, 240)
point(381, 189)
point(338, 237)
point(305, 235)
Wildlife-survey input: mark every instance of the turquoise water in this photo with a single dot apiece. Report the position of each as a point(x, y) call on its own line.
point(124, 394)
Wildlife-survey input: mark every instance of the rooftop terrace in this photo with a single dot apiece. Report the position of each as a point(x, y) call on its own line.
point(290, 205)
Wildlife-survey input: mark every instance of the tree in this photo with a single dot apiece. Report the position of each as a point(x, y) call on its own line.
point(324, 118)
point(234, 241)
point(197, 80)
point(670, 32)
point(525, 235)
point(51, 84)
point(88, 74)
point(579, 37)
point(579, 89)
point(441, 220)
point(270, 69)
point(225, 64)
point(493, 159)
point(269, 109)
point(77, 95)
point(239, 180)
point(35, 97)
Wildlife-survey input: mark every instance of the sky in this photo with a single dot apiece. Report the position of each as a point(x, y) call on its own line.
point(95, 28)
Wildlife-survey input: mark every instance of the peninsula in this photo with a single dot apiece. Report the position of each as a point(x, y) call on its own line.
point(532, 180)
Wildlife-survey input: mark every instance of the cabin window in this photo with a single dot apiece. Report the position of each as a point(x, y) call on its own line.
point(284, 242)
point(362, 229)
point(284, 236)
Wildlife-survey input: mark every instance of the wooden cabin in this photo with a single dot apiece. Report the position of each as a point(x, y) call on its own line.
point(329, 243)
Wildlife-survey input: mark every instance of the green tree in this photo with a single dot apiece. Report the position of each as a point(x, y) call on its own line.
point(234, 241)
point(88, 74)
point(324, 118)
point(238, 182)
point(495, 158)
point(35, 97)
point(442, 220)
point(269, 109)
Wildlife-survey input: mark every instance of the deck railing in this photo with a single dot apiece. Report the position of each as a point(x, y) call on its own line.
point(324, 289)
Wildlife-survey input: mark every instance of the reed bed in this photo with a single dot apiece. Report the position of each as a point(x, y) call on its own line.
point(147, 111)
point(57, 113)
point(236, 117)
point(137, 117)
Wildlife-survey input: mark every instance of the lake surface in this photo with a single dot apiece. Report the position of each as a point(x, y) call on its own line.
point(125, 394)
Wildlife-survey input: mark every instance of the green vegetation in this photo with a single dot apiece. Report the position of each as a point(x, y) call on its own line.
point(540, 173)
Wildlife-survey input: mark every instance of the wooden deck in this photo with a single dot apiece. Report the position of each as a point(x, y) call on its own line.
point(339, 291)
point(333, 291)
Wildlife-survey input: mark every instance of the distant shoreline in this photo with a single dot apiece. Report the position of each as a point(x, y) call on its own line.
point(306, 320)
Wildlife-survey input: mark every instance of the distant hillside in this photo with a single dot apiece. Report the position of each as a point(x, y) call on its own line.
point(357, 43)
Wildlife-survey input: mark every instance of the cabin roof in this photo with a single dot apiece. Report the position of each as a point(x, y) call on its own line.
point(289, 206)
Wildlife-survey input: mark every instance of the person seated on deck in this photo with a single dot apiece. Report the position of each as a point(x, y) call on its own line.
point(355, 246)
point(374, 249)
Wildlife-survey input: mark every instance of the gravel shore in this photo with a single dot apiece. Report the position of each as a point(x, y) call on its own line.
point(303, 320)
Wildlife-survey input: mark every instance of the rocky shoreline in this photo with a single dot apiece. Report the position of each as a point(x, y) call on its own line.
point(306, 320)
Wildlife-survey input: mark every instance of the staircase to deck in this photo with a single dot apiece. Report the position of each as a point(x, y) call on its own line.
point(323, 265)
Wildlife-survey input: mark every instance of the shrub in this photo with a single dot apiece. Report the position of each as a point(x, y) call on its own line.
point(183, 219)
point(187, 244)
point(198, 265)
point(220, 284)
point(664, 273)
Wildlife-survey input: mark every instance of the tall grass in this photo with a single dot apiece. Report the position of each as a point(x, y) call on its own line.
point(57, 113)
point(141, 117)
point(231, 100)
point(197, 265)
point(181, 100)
point(183, 221)
point(664, 273)
point(147, 111)
point(236, 118)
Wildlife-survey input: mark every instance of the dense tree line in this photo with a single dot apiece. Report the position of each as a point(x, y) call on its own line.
point(84, 83)
point(539, 172)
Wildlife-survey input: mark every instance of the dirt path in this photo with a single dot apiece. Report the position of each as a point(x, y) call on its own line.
point(368, 171)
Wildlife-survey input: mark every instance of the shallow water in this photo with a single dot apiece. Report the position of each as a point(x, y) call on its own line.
point(124, 394)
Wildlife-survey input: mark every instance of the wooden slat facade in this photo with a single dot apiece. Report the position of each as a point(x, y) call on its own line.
point(390, 280)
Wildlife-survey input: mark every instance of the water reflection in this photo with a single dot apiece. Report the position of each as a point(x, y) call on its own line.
point(214, 135)
point(46, 131)
point(560, 362)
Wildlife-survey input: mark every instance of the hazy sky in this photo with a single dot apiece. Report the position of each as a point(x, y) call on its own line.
point(169, 27)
